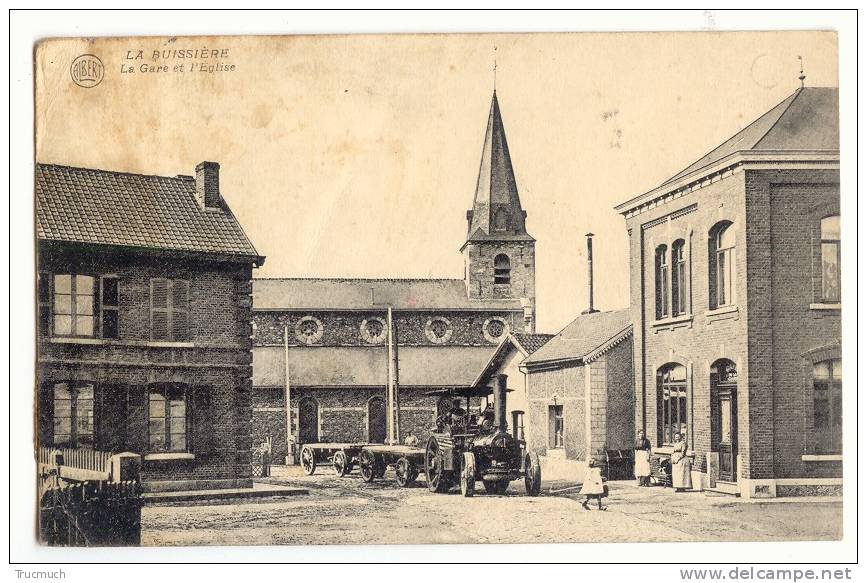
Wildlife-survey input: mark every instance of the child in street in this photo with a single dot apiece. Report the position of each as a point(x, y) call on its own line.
point(592, 487)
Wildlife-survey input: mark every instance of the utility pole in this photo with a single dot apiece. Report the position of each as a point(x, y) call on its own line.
point(290, 441)
point(393, 371)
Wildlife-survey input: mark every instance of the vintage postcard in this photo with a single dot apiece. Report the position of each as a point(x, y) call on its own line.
point(440, 288)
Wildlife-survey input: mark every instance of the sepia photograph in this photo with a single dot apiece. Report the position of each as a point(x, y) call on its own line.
point(440, 289)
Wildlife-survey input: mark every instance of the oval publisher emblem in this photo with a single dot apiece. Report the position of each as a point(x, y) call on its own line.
point(87, 71)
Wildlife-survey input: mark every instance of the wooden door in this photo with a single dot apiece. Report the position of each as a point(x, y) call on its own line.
point(727, 446)
point(376, 420)
point(308, 420)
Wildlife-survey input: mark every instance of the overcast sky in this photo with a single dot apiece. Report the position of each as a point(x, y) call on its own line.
point(358, 156)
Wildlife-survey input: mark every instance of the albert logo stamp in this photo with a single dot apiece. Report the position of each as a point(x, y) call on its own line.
point(87, 71)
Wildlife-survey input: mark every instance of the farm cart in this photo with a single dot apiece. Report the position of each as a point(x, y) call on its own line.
point(465, 448)
point(341, 456)
point(407, 461)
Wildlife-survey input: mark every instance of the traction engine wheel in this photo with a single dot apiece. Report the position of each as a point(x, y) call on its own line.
point(532, 474)
point(468, 475)
point(341, 464)
point(438, 479)
point(367, 462)
point(404, 472)
point(308, 460)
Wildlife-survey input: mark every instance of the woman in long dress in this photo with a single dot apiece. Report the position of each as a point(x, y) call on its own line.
point(642, 459)
point(681, 465)
point(592, 487)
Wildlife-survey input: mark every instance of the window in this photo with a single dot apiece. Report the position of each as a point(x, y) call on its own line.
point(671, 394)
point(679, 289)
point(831, 259)
point(170, 309)
point(73, 414)
point(828, 406)
point(110, 297)
point(43, 292)
point(555, 426)
point(661, 282)
point(722, 263)
point(73, 305)
point(518, 424)
point(502, 269)
point(167, 419)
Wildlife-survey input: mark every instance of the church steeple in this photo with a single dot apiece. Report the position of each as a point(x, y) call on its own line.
point(497, 212)
point(499, 254)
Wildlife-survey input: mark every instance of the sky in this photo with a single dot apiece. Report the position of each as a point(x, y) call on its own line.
point(357, 156)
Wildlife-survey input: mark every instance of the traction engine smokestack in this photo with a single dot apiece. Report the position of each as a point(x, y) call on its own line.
point(590, 309)
point(500, 402)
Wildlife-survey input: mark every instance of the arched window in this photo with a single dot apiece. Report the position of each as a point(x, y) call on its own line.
point(671, 401)
point(502, 269)
point(722, 262)
point(831, 259)
point(678, 278)
point(828, 406)
point(661, 282)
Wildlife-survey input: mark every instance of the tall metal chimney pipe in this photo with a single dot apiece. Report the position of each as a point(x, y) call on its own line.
point(590, 309)
point(500, 403)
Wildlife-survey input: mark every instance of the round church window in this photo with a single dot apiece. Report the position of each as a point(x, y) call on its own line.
point(494, 329)
point(373, 330)
point(438, 330)
point(309, 330)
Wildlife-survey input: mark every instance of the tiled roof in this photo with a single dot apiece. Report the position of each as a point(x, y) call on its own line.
point(584, 337)
point(809, 119)
point(532, 342)
point(82, 205)
point(361, 293)
point(359, 366)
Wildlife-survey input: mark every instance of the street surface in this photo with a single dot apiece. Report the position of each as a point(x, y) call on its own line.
point(348, 511)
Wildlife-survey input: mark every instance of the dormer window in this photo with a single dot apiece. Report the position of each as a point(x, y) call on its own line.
point(502, 269)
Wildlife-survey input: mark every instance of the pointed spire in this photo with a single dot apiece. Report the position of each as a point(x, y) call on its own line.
point(497, 212)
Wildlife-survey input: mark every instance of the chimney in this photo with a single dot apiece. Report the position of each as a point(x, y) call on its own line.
point(500, 403)
point(590, 309)
point(208, 184)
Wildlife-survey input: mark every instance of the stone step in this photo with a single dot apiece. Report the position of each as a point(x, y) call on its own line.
point(725, 488)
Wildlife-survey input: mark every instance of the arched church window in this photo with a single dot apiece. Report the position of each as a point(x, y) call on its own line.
point(502, 269)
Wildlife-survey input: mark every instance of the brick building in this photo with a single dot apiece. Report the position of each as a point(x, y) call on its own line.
point(736, 303)
point(323, 343)
point(579, 388)
point(144, 322)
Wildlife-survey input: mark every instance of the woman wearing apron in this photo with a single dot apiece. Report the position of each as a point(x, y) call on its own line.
point(681, 465)
point(642, 460)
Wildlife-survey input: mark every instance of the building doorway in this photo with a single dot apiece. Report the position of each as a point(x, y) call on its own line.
point(724, 417)
point(308, 420)
point(376, 420)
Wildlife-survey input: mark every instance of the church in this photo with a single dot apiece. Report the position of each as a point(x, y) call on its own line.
point(322, 359)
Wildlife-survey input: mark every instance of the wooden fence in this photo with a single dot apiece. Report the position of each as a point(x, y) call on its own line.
point(76, 464)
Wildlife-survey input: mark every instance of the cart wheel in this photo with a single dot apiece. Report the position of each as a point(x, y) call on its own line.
point(404, 472)
point(367, 462)
point(532, 474)
point(341, 464)
point(468, 475)
point(438, 479)
point(498, 487)
point(308, 460)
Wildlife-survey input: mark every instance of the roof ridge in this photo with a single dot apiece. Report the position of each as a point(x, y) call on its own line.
point(793, 98)
point(117, 172)
point(680, 172)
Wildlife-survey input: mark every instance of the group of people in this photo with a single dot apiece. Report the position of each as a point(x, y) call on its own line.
point(679, 467)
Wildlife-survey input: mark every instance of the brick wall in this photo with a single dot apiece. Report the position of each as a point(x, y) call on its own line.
point(479, 261)
point(775, 216)
point(214, 366)
point(620, 426)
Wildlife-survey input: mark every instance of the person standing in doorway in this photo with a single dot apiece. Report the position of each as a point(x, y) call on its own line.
point(642, 459)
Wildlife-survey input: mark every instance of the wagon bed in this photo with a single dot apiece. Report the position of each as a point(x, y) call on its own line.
point(342, 456)
point(407, 461)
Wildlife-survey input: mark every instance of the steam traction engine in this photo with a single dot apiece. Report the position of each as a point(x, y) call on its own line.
point(464, 449)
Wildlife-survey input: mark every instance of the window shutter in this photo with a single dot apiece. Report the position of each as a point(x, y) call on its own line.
point(159, 309)
point(180, 310)
point(201, 416)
